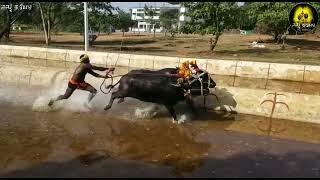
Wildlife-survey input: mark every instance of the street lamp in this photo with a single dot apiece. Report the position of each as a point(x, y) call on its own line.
point(86, 42)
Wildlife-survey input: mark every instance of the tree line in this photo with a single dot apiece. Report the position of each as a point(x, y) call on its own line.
point(206, 18)
point(212, 18)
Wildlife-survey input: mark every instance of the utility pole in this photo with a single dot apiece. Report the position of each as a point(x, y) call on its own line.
point(86, 37)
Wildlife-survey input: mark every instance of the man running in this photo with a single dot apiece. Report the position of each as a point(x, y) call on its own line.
point(77, 80)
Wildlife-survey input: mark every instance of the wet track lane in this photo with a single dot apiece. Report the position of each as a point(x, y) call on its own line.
point(68, 143)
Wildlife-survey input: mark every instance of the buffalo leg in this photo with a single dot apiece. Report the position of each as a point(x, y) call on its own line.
point(172, 112)
point(190, 102)
point(121, 100)
point(114, 96)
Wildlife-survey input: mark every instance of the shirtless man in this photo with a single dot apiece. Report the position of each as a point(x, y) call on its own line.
point(77, 80)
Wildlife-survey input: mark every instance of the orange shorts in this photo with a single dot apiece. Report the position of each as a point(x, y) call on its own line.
point(76, 85)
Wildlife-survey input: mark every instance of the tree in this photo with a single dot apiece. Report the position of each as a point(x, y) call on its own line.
point(12, 15)
point(55, 16)
point(5, 22)
point(99, 15)
point(108, 23)
point(51, 15)
point(73, 15)
point(210, 18)
point(59, 15)
point(135, 25)
point(246, 22)
point(168, 18)
point(316, 5)
point(31, 17)
point(271, 17)
point(122, 21)
point(151, 12)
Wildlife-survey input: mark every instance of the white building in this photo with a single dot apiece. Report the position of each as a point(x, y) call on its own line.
point(143, 26)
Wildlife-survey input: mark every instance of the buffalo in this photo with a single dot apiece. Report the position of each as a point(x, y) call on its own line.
point(157, 87)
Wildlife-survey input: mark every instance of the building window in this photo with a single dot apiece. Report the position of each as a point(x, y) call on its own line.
point(141, 26)
point(140, 14)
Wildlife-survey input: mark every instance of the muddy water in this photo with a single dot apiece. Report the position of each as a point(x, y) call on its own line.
point(73, 136)
point(30, 138)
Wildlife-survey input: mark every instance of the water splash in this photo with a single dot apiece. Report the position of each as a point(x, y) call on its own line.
point(41, 105)
point(184, 118)
point(147, 112)
point(77, 101)
point(37, 98)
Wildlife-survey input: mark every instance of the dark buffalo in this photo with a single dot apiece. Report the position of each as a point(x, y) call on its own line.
point(161, 71)
point(156, 87)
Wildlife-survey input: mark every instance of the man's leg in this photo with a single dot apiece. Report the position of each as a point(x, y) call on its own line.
point(66, 95)
point(92, 91)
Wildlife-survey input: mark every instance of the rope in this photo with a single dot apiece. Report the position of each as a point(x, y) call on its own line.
point(109, 76)
point(205, 97)
point(200, 80)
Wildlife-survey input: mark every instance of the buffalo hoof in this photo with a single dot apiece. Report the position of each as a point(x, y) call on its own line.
point(88, 106)
point(182, 121)
point(51, 102)
point(107, 107)
point(174, 121)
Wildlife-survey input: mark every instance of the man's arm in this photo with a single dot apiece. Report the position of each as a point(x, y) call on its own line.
point(95, 74)
point(99, 68)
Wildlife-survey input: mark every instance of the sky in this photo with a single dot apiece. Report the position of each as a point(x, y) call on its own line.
point(127, 5)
